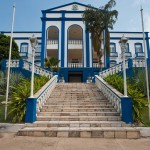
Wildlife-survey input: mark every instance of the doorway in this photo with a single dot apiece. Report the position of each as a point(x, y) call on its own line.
point(75, 77)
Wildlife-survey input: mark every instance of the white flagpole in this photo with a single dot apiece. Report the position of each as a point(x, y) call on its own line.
point(146, 67)
point(8, 73)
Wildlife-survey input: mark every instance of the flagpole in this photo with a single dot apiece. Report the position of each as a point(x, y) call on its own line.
point(8, 73)
point(146, 67)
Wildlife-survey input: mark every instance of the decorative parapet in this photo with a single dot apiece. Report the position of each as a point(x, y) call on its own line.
point(33, 105)
point(119, 67)
point(16, 63)
point(122, 104)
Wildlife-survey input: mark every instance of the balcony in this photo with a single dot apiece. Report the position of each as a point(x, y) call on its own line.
point(75, 65)
point(72, 44)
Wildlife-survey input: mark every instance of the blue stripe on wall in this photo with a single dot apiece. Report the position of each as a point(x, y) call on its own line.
point(62, 39)
point(43, 41)
point(147, 44)
point(87, 50)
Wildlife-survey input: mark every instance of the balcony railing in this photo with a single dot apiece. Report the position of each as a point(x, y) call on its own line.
point(71, 42)
point(75, 65)
point(75, 42)
point(97, 65)
point(52, 42)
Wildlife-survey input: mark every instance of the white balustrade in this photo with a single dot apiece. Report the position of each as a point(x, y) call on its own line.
point(52, 42)
point(110, 71)
point(75, 65)
point(138, 63)
point(76, 42)
point(44, 93)
point(96, 65)
point(113, 70)
point(13, 63)
point(37, 69)
point(109, 92)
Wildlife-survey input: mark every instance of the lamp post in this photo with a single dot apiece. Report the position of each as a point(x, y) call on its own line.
point(34, 42)
point(123, 45)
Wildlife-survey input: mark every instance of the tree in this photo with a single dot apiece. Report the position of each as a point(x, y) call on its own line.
point(4, 48)
point(97, 21)
point(52, 63)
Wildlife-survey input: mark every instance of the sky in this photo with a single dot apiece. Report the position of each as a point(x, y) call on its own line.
point(28, 13)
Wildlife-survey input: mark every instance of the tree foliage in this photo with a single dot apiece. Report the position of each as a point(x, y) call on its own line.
point(99, 20)
point(4, 48)
point(52, 63)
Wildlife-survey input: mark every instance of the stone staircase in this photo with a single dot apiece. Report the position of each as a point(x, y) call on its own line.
point(79, 110)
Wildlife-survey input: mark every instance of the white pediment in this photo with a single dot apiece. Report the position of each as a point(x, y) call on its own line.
point(70, 7)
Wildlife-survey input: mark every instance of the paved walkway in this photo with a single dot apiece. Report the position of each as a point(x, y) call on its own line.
point(8, 141)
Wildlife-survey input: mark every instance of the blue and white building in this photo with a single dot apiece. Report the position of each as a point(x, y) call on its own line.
point(64, 36)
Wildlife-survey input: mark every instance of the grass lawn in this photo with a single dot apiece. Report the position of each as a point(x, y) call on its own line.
point(145, 116)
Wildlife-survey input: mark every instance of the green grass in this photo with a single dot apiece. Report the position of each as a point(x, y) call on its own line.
point(145, 116)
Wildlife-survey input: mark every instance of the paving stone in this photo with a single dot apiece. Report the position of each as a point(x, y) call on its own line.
point(74, 133)
point(109, 134)
point(133, 134)
point(62, 134)
point(85, 134)
point(121, 134)
point(97, 134)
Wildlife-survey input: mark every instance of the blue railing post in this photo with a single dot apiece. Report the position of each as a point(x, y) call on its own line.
point(20, 63)
point(148, 62)
point(30, 115)
point(130, 63)
point(3, 65)
point(130, 71)
point(126, 108)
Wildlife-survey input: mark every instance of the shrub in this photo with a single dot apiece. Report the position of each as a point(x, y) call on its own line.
point(15, 79)
point(139, 101)
point(20, 94)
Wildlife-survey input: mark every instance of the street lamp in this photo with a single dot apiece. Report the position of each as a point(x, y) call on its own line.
point(34, 42)
point(123, 45)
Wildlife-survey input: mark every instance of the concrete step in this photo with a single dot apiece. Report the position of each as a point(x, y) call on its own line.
point(79, 103)
point(76, 106)
point(83, 132)
point(78, 114)
point(78, 109)
point(78, 118)
point(78, 124)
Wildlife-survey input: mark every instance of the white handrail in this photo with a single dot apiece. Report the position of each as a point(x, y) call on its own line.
point(44, 93)
point(110, 93)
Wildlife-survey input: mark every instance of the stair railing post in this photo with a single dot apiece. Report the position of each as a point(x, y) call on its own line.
point(123, 45)
point(34, 42)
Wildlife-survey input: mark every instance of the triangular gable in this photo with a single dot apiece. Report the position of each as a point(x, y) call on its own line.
point(75, 6)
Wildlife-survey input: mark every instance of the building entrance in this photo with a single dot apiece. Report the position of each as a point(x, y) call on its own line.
point(75, 77)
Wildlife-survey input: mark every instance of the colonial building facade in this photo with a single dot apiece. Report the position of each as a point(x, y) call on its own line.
point(64, 36)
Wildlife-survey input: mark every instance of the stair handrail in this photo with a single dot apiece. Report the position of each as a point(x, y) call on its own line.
point(37, 69)
point(35, 103)
point(134, 62)
point(16, 63)
point(112, 70)
point(123, 104)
